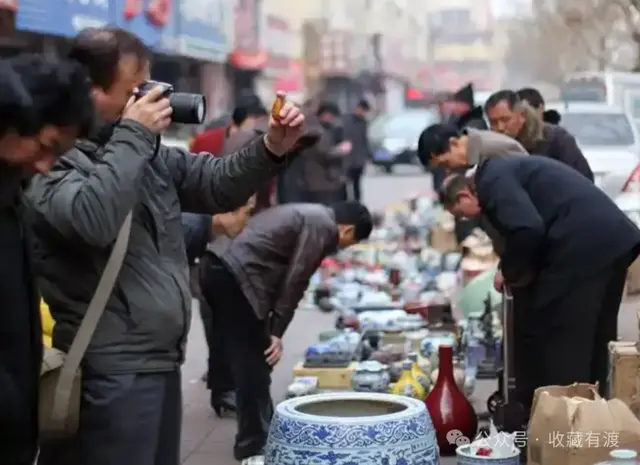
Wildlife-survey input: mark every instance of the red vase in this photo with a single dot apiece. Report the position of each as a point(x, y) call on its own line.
point(452, 414)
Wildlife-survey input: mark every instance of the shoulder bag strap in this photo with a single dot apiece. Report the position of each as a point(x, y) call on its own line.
point(90, 321)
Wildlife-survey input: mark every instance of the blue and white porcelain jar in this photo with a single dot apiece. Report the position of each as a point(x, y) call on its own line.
point(352, 428)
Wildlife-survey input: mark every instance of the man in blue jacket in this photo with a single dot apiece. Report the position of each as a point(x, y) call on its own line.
point(565, 252)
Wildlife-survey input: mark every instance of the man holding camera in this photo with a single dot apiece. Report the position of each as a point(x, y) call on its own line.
point(131, 403)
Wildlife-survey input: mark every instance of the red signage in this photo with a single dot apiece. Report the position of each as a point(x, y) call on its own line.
point(11, 5)
point(247, 52)
point(158, 11)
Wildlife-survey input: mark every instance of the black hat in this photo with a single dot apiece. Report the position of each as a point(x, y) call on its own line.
point(551, 117)
point(465, 95)
point(435, 141)
point(475, 113)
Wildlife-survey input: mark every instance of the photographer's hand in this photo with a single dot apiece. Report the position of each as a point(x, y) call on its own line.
point(151, 110)
point(284, 131)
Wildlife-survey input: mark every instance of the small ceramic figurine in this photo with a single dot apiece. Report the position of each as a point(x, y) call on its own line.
point(407, 385)
point(302, 386)
point(417, 372)
point(370, 376)
point(431, 343)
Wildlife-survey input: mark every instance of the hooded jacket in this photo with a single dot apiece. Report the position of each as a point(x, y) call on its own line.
point(553, 141)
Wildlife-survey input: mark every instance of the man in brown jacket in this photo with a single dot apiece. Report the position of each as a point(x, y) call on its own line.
point(254, 285)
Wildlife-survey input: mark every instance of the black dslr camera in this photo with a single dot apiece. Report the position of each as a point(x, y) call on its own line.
point(187, 108)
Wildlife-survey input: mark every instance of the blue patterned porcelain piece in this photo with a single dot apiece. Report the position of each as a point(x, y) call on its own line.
point(302, 434)
point(466, 457)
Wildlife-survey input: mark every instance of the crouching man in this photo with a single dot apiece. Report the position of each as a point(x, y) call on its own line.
point(565, 252)
point(254, 284)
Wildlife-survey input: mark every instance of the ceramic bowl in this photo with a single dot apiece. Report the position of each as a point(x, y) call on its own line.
point(351, 428)
point(465, 456)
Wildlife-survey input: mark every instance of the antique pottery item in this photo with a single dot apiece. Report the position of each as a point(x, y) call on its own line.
point(458, 375)
point(408, 385)
point(433, 341)
point(349, 428)
point(371, 376)
point(328, 355)
point(466, 456)
point(418, 374)
point(448, 406)
point(380, 319)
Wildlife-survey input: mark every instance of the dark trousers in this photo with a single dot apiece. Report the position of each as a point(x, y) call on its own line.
point(354, 176)
point(565, 340)
point(244, 339)
point(219, 376)
point(129, 418)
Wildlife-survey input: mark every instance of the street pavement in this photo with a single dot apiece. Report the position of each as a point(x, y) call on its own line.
point(208, 440)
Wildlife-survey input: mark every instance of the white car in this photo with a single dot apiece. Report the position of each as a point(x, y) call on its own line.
point(611, 144)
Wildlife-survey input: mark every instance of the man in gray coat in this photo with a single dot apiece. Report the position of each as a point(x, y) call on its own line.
point(131, 409)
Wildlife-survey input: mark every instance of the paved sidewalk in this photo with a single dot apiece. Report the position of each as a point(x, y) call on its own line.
point(208, 440)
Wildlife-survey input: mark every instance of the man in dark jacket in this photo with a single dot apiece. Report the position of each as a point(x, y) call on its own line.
point(446, 147)
point(510, 115)
point(202, 232)
point(257, 306)
point(318, 176)
point(254, 122)
point(534, 98)
point(45, 105)
point(131, 380)
point(566, 251)
point(357, 132)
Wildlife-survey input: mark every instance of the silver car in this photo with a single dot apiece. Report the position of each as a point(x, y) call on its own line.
point(610, 142)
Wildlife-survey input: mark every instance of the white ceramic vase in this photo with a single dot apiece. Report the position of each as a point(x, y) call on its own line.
point(352, 428)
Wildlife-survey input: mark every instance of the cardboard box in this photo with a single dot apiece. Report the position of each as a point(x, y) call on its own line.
point(443, 240)
point(624, 374)
point(328, 378)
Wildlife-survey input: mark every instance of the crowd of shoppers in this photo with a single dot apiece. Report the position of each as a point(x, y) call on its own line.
point(528, 185)
point(81, 154)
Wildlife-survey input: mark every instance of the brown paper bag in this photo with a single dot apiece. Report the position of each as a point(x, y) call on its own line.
point(573, 425)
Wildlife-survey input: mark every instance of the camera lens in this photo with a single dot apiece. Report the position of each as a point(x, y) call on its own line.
point(188, 108)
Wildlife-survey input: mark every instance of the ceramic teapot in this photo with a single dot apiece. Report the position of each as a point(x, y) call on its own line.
point(434, 340)
point(370, 376)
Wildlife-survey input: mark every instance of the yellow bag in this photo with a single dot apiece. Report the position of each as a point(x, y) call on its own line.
point(47, 324)
point(573, 425)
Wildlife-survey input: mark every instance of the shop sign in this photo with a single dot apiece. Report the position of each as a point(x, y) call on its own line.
point(62, 17)
point(154, 21)
point(336, 54)
point(203, 29)
point(247, 48)
point(278, 44)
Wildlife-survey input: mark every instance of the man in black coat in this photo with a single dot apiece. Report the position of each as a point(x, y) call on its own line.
point(45, 106)
point(356, 131)
point(565, 252)
point(514, 117)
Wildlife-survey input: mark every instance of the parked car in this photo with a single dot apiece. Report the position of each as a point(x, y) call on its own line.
point(394, 137)
point(611, 144)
